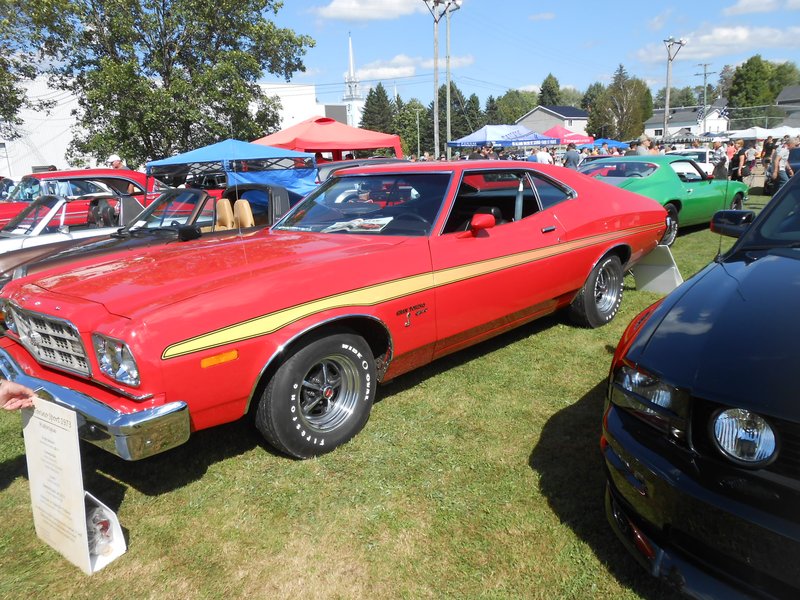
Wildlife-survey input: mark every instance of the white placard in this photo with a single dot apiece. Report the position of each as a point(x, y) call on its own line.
point(59, 502)
point(56, 480)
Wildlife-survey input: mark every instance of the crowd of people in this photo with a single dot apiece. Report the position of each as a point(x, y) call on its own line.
point(734, 160)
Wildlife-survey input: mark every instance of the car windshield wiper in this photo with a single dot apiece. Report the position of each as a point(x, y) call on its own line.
point(121, 233)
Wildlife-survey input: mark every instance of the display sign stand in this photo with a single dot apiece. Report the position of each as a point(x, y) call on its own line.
point(72, 521)
point(657, 272)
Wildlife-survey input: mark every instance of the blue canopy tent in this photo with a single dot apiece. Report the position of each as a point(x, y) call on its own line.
point(491, 135)
point(535, 139)
point(599, 142)
point(242, 163)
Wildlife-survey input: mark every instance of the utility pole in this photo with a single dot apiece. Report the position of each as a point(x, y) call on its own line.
point(437, 8)
point(452, 6)
point(705, 75)
point(670, 43)
point(416, 112)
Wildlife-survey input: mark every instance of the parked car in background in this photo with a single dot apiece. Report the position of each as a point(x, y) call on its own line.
point(84, 185)
point(326, 169)
point(302, 321)
point(689, 195)
point(702, 156)
point(178, 215)
point(701, 431)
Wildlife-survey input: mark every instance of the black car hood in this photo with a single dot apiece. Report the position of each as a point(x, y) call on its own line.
point(732, 334)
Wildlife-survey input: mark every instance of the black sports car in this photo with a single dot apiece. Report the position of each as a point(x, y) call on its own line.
point(701, 431)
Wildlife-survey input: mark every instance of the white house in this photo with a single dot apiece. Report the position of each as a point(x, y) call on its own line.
point(689, 119)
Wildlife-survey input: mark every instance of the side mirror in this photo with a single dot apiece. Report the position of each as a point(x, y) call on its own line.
point(732, 223)
point(479, 222)
point(187, 233)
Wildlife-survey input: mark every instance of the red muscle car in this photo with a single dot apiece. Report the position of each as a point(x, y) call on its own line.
point(380, 270)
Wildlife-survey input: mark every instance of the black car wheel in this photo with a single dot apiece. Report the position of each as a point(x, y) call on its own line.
point(738, 202)
point(672, 225)
point(320, 397)
point(600, 297)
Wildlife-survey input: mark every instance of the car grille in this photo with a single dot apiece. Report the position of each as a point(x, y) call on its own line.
point(54, 342)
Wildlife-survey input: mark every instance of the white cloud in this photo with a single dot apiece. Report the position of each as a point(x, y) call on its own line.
point(545, 16)
point(369, 10)
point(745, 7)
point(725, 41)
point(792, 4)
point(533, 87)
point(657, 22)
point(403, 65)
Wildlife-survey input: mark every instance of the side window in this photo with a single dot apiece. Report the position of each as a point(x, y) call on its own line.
point(550, 194)
point(507, 195)
point(686, 171)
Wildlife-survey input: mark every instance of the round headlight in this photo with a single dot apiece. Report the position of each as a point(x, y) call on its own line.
point(744, 437)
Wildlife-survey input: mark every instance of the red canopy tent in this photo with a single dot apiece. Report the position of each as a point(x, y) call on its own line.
point(565, 136)
point(322, 134)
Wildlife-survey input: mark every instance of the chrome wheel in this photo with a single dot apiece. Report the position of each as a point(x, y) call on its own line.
point(607, 289)
point(672, 225)
point(330, 392)
point(737, 203)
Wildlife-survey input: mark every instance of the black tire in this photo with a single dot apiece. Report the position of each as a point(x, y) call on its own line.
point(320, 397)
point(672, 225)
point(600, 297)
point(738, 202)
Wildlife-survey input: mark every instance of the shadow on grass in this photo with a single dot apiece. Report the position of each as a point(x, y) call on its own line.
point(108, 476)
point(571, 476)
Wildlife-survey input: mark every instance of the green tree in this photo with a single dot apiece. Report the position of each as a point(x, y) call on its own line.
point(591, 95)
point(405, 123)
point(571, 97)
point(378, 113)
point(620, 111)
point(514, 104)
point(783, 74)
point(724, 83)
point(750, 93)
point(491, 113)
point(550, 93)
point(685, 96)
point(474, 114)
point(156, 77)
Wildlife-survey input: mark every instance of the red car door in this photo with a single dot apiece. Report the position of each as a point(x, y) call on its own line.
point(504, 275)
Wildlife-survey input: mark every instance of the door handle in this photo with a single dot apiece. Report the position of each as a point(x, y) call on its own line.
point(548, 229)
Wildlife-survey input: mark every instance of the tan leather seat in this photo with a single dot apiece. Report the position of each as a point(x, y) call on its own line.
point(224, 215)
point(243, 214)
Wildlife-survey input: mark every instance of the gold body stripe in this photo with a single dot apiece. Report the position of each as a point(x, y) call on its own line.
point(380, 293)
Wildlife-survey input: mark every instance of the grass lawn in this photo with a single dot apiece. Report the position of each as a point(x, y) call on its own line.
point(478, 476)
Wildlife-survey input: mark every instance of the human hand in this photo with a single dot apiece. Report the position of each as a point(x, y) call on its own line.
point(14, 396)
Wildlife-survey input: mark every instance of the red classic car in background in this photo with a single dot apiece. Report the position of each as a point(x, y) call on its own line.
point(86, 185)
point(379, 270)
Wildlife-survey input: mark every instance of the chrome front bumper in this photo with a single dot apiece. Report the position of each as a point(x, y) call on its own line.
point(130, 436)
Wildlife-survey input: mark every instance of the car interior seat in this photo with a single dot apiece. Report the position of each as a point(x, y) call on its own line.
point(243, 214)
point(224, 214)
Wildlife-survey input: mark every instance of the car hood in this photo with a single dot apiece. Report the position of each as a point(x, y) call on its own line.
point(731, 333)
point(132, 284)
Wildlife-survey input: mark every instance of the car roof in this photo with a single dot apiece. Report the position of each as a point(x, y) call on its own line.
point(87, 174)
point(442, 166)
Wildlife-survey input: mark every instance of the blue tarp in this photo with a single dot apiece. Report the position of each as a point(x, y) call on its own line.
point(535, 139)
point(599, 142)
point(243, 162)
point(491, 135)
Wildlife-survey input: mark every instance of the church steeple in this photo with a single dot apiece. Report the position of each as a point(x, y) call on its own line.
point(352, 90)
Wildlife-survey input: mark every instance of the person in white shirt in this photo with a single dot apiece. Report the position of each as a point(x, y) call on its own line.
point(543, 156)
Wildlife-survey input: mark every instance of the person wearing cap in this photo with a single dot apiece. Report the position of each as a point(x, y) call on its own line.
point(644, 145)
point(115, 162)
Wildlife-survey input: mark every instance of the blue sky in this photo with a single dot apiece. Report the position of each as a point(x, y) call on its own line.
point(497, 45)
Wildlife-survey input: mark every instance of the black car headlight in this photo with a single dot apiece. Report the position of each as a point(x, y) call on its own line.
point(744, 437)
point(651, 399)
point(115, 359)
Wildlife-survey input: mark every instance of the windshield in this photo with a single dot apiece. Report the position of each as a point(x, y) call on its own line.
point(618, 168)
point(175, 208)
point(385, 204)
point(780, 225)
point(27, 220)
